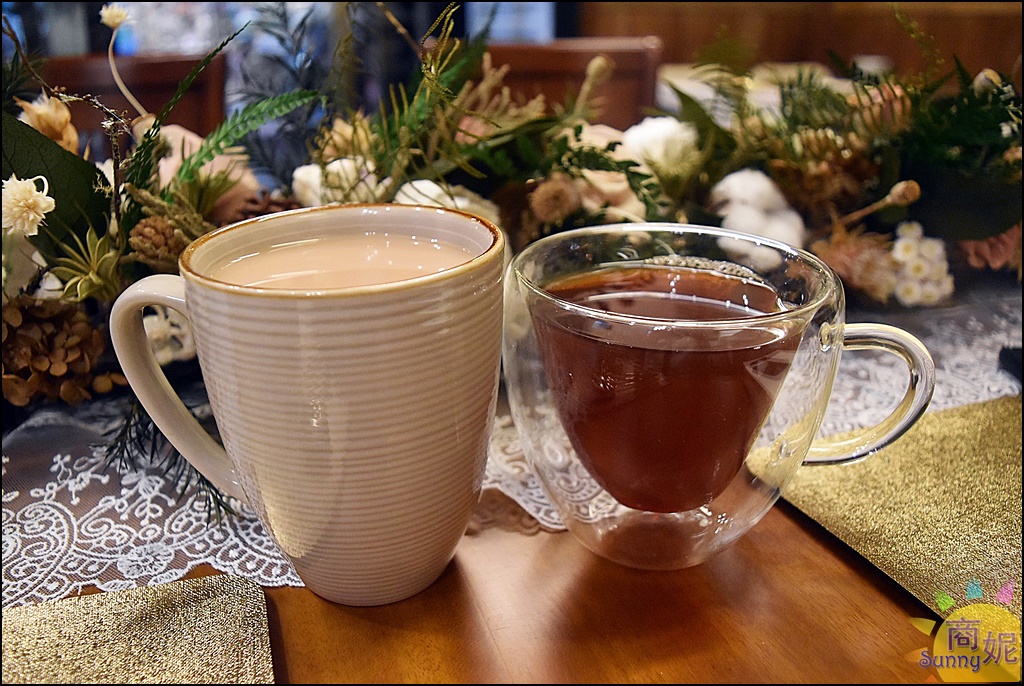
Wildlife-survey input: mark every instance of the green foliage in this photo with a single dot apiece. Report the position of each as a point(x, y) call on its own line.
point(142, 169)
point(89, 268)
point(969, 132)
point(16, 83)
point(240, 124)
point(74, 183)
point(806, 101)
point(276, 151)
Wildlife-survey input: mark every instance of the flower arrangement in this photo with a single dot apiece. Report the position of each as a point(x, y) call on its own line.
point(888, 179)
point(76, 231)
point(852, 173)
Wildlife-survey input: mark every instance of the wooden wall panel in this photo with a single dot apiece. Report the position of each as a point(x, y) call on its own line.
point(982, 34)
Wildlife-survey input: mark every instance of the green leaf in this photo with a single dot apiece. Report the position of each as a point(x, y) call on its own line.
point(74, 183)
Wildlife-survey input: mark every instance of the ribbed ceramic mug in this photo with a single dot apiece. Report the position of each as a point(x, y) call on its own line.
point(354, 418)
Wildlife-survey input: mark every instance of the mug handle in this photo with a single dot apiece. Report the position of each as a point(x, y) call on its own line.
point(154, 391)
point(863, 442)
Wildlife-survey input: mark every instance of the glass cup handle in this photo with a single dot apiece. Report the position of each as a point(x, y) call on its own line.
point(863, 442)
point(150, 385)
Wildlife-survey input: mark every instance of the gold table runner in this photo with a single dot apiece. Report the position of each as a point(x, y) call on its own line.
point(939, 510)
point(207, 630)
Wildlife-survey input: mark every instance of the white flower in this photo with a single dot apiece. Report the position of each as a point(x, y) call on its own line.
point(917, 268)
point(427, 192)
point(911, 230)
point(24, 205)
point(933, 250)
point(938, 271)
point(908, 292)
point(905, 249)
point(946, 285)
point(608, 193)
point(668, 146)
point(349, 179)
point(113, 15)
point(931, 293)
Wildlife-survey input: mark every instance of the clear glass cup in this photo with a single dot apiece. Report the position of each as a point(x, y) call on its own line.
point(667, 381)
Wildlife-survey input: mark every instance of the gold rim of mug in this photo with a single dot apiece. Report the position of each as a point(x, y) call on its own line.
point(497, 246)
point(828, 274)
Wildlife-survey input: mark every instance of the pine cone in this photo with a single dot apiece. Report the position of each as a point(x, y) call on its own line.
point(50, 350)
point(264, 203)
point(157, 243)
point(821, 171)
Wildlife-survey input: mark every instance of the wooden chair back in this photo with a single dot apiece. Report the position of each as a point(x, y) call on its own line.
point(152, 80)
point(557, 69)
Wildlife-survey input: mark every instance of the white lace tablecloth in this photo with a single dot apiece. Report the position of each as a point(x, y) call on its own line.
point(70, 521)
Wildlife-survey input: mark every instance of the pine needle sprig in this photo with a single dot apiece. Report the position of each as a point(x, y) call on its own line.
point(141, 169)
point(240, 124)
point(137, 434)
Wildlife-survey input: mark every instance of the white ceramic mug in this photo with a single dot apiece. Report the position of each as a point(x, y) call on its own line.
point(354, 420)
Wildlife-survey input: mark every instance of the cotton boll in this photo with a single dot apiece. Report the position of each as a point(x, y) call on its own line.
point(757, 257)
point(787, 226)
point(735, 248)
point(747, 187)
point(745, 219)
point(306, 185)
point(763, 259)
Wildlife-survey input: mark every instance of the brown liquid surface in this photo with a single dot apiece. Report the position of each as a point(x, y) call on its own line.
point(663, 421)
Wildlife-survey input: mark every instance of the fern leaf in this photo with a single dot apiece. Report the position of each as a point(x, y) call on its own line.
point(143, 162)
point(245, 121)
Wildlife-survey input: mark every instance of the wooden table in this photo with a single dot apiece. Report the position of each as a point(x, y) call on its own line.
point(788, 603)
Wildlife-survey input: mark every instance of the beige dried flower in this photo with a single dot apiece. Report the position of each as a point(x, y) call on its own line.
point(904, 193)
point(862, 260)
point(880, 110)
point(24, 205)
point(996, 252)
point(555, 198)
point(113, 15)
point(347, 138)
point(52, 118)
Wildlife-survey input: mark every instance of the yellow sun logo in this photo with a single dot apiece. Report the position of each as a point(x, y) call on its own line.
point(979, 642)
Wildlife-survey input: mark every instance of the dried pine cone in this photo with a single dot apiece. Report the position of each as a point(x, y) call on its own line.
point(265, 203)
point(157, 244)
point(820, 171)
point(50, 350)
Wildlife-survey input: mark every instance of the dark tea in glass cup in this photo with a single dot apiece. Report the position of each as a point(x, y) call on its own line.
point(667, 380)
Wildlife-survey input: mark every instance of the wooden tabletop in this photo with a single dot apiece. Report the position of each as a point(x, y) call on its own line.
point(788, 603)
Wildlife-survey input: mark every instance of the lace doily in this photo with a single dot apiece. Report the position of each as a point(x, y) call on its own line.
point(71, 522)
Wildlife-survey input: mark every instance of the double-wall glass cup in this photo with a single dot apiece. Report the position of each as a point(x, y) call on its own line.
point(668, 380)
